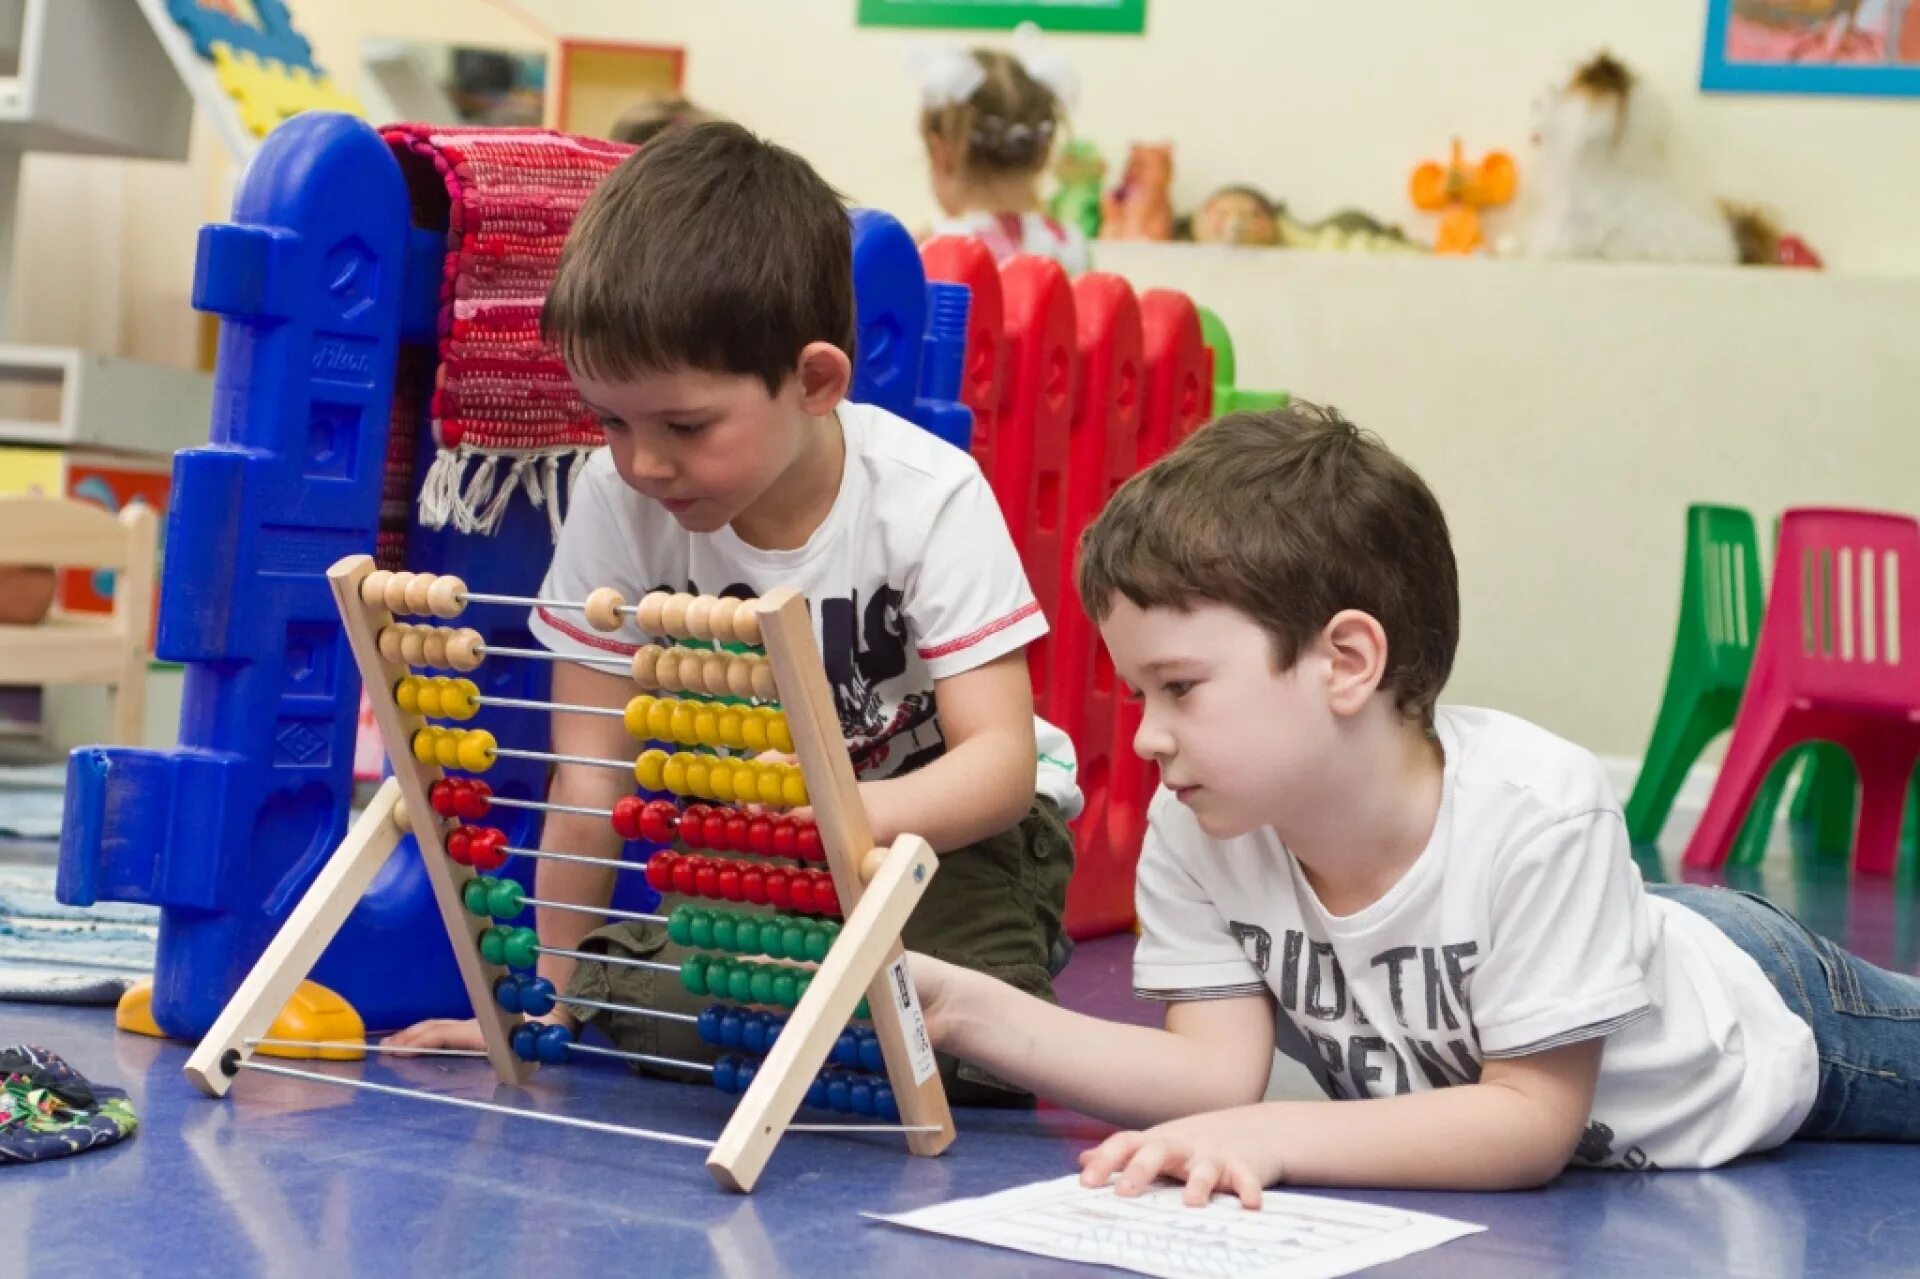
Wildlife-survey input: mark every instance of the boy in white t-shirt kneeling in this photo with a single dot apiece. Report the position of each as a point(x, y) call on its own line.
point(704, 305)
point(1435, 907)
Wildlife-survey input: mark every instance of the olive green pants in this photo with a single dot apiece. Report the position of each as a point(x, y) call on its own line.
point(995, 906)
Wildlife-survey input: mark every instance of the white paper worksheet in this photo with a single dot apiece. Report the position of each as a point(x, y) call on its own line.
point(1289, 1237)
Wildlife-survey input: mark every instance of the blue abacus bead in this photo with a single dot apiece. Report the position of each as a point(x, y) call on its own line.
point(753, 1035)
point(860, 1094)
point(526, 1042)
point(837, 1098)
point(723, 1074)
point(884, 1106)
point(536, 996)
point(709, 1026)
point(748, 1068)
point(846, 1050)
point(556, 1044)
point(817, 1094)
point(871, 1058)
point(506, 992)
point(732, 1029)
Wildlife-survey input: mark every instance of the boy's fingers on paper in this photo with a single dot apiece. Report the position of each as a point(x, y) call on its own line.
point(1203, 1174)
point(1142, 1169)
point(1100, 1163)
point(1241, 1181)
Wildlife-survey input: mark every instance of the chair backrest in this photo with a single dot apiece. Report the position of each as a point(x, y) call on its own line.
point(63, 533)
point(1843, 621)
point(1720, 596)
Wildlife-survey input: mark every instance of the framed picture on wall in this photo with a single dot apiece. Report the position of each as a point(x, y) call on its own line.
point(1858, 47)
point(1118, 17)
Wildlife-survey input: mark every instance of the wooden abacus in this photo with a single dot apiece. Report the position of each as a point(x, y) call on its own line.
point(876, 889)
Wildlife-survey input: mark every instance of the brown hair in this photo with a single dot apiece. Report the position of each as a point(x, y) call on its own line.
point(707, 249)
point(1006, 127)
point(1289, 516)
point(646, 119)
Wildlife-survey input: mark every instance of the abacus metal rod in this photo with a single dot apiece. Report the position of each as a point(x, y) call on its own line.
point(572, 708)
point(651, 1060)
point(545, 655)
point(660, 1014)
point(569, 1121)
point(544, 806)
point(350, 1046)
point(540, 854)
point(652, 965)
point(608, 911)
point(508, 752)
point(482, 597)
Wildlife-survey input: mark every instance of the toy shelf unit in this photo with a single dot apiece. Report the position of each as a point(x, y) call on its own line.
point(66, 398)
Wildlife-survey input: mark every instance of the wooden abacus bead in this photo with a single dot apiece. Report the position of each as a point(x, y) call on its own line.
point(603, 609)
point(446, 596)
point(402, 819)
point(871, 863)
point(763, 685)
point(465, 649)
point(646, 614)
point(396, 592)
point(720, 619)
point(700, 615)
point(740, 677)
point(746, 622)
point(646, 666)
point(673, 615)
point(417, 602)
point(666, 669)
point(713, 673)
point(438, 639)
point(390, 637)
point(413, 646)
point(686, 671)
point(373, 588)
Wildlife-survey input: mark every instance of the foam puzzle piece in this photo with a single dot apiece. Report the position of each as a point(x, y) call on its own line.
point(268, 91)
point(263, 28)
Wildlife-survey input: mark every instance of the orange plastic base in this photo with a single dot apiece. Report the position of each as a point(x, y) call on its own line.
point(314, 1015)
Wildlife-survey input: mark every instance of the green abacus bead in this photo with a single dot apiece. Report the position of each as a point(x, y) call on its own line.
point(817, 944)
point(693, 975)
point(493, 945)
point(700, 929)
point(680, 926)
point(522, 948)
point(786, 990)
point(506, 898)
point(793, 941)
point(746, 936)
point(762, 984)
point(863, 1012)
point(724, 930)
point(740, 984)
point(474, 897)
point(801, 980)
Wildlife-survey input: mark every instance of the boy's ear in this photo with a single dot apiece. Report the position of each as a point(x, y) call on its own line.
point(825, 374)
point(1356, 648)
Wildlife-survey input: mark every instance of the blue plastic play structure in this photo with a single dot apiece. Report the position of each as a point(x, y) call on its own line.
point(319, 279)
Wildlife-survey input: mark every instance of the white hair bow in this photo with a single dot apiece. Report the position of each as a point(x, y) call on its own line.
point(947, 74)
point(1046, 64)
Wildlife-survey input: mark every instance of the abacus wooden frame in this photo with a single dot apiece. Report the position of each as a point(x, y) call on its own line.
point(867, 956)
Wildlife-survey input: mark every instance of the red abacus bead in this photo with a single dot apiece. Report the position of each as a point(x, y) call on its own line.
point(473, 796)
point(488, 848)
point(445, 799)
point(753, 885)
point(727, 880)
point(806, 844)
point(785, 839)
point(460, 845)
point(737, 834)
point(658, 821)
point(825, 900)
point(692, 822)
point(685, 876)
point(760, 836)
point(706, 878)
point(626, 816)
point(660, 872)
point(713, 831)
point(780, 889)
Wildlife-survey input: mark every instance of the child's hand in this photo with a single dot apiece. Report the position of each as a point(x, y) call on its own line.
point(448, 1033)
point(934, 981)
point(1223, 1150)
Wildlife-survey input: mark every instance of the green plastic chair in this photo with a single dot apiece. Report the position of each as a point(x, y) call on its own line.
point(1227, 397)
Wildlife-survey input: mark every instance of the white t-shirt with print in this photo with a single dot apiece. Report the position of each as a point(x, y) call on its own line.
point(1523, 926)
point(1006, 234)
point(912, 577)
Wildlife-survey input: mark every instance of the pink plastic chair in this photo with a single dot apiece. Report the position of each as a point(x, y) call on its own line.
point(1839, 661)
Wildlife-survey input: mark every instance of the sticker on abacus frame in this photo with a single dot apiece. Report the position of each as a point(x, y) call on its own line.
point(919, 1047)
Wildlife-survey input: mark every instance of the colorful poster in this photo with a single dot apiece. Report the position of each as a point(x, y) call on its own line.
point(1117, 17)
point(1858, 47)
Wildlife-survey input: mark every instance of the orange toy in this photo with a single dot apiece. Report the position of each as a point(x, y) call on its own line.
point(1457, 191)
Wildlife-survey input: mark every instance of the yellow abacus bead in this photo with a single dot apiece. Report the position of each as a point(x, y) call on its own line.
point(396, 592)
point(767, 783)
point(746, 622)
point(720, 781)
point(746, 780)
point(778, 735)
point(700, 617)
point(426, 744)
point(426, 698)
point(660, 719)
point(673, 774)
point(406, 695)
point(740, 677)
point(373, 588)
point(447, 748)
point(649, 770)
point(753, 732)
point(476, 750)
point(673, 615)
point(603, 609)
point(636, 716)
point(647, 613)
point(700, 776)
point(460, 699)
point(729, 729)
point(683, 724)
point(793, 788)
point(706, 726)
point(446, 596)
point(417, 589)
point(646, 666)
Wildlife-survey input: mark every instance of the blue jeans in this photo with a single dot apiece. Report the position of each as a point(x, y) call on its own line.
point(1866, 1020)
